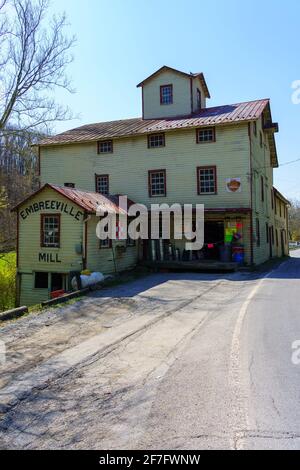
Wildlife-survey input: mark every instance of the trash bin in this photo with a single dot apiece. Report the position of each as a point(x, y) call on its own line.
point(238, 254)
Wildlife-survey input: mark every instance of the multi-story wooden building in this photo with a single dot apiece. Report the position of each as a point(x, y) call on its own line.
point(179, 151)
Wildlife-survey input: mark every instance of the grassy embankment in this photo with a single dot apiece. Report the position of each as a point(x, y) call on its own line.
point(7, 280)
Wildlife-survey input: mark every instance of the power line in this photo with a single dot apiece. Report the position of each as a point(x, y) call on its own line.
point(282, 164)
point(288, 163)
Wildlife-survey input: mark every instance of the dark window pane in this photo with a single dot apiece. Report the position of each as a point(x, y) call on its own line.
point(41, 280)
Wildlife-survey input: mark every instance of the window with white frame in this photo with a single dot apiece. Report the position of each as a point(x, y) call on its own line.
point(166, 94)
point(157, 183)
point(156, 140)
point(105, 146)
point(102, 184)
point(207, 183)
point(50, 230)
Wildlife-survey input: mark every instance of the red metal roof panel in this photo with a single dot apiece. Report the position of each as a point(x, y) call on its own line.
point(218, 115)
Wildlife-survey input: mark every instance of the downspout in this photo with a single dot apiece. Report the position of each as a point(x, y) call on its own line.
point(251, 196)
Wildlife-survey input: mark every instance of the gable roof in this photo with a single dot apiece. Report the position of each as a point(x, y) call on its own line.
point(165, 68)
point(228, 114)
point(89, 201)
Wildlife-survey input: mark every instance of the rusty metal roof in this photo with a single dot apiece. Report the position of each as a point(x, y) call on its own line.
point(228, 114)
point(199, 75)
point(89, 201)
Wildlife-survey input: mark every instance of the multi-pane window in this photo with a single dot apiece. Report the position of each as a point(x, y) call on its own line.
point(262, 187)
point(156, 140)
point(105, 243)
point(166, 94)
point(157, 183)
point(255, 128)
point(261, 141)
point(257, 233)
point(207, 134)
point(105, 146)
point(102, 184)
point(50, 230)
point(207, 181)
point(272, 199)
point(267, 232)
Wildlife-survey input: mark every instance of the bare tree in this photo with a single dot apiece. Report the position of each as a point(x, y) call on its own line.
point(34, 54)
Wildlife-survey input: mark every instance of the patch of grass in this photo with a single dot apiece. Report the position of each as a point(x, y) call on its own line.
point(7, 280)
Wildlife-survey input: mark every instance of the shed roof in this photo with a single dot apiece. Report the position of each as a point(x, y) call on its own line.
point(228, 114)
point(89, 201)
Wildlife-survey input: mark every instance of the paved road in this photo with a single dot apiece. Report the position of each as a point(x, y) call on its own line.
point(180, 361)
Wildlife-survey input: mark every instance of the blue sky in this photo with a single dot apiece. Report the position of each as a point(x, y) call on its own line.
point(247, 50)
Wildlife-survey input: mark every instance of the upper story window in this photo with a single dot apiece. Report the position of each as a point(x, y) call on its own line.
point(157, 183)
point(207, 180)
point(255, 128)
point(262, 187)
point(50, 230)
point(102, 184)
point(106, 243)
point(205, 135)
point(261, 139)
point(257, 233)
point(272, 199)
point(198, 99)
point(166, 94)
point(105, 146)
point(156, 140)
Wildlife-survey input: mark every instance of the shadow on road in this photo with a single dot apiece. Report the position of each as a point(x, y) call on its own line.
point(288, 268)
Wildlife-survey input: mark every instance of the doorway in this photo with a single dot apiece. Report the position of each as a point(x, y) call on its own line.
point(213, 238)
point(57, 281)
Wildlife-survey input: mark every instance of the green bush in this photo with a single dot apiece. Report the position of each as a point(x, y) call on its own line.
point(7, 280)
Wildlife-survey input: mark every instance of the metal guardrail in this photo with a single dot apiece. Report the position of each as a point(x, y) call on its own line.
point(13, 313)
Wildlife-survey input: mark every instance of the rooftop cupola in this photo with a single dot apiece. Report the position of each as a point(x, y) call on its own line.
point(169, 92)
